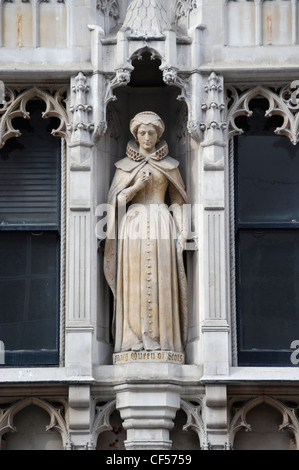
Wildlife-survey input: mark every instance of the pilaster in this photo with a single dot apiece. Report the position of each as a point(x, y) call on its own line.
point(216, 416)
point(79, 417)
point(214, 327)
point(79, 329)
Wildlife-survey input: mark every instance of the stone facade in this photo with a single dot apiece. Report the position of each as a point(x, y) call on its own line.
point(198, 64)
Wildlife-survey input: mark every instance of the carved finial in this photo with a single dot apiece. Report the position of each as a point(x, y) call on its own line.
point(147, 19)
point(81, 127)
point(213, 125)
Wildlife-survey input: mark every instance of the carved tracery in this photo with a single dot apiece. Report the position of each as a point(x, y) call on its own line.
point(56, 412)
point(195, 421)
point(184, 9)
point(109, 8)
point(239, 412)
point(283, 103)
point(102, 419)
point(15, 106)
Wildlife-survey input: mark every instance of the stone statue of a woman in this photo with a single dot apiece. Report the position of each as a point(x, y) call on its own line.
point(143, 264)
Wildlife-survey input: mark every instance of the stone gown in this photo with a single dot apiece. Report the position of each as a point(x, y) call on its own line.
point(146, 271)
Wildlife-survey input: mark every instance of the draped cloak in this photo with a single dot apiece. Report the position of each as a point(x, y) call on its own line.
point(126, 171)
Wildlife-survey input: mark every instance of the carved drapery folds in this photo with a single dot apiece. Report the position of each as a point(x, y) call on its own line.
point(284, 102)
point(15, 106)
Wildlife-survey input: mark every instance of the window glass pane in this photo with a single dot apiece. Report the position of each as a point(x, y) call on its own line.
point(268, 179)
point(29, 172)
point(29, 290)
point(268, 290)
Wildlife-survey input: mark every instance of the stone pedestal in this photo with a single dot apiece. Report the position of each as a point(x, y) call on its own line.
point(147, 411)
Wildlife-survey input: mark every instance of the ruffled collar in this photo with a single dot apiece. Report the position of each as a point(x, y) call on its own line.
point(161, 151)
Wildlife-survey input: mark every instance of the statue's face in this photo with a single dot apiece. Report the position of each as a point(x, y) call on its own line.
point(147, 137)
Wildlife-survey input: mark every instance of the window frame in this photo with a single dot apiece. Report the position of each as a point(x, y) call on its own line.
point(46, 358)
point(244, 358)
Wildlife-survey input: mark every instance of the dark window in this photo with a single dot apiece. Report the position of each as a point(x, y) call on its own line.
point(267, 241)
point(29, 242)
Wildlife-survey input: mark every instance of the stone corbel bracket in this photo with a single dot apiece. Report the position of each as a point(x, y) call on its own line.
point(172, 77)
point(195, 421)
point(213, 126)
point(121, 77)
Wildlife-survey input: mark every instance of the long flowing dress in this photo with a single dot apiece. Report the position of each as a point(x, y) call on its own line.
point(142, 264)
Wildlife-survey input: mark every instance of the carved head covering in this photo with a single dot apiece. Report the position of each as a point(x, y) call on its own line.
point(147, 117)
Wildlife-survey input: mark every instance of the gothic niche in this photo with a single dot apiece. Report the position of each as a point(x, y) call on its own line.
point(148, 97)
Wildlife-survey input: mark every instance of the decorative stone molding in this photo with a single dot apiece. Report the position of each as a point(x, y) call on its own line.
point(238, 418)
point(121, 77)
point(195, 421)
point(15, 106)
point(171, 77)
point(146, 19)
point(109, 8)
point(56, 412)
point(216, 415)
point(183, 10)
point(81, 127)
point(214, 124)
point(102, 420)
point(284, 103)
point(147, 411)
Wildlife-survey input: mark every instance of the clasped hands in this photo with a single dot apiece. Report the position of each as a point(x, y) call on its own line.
point(127, 194)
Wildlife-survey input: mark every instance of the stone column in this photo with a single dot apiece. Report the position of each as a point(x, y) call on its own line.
point(147, 411)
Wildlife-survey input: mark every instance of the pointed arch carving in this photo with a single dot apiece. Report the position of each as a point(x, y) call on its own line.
point(239, 419)
point(15, 106)
point(283, 102)
point(195, 421)
point(57, 420)
point(102, 420)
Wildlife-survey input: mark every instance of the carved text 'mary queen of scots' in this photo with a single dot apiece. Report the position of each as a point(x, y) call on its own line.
point(143, 262)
